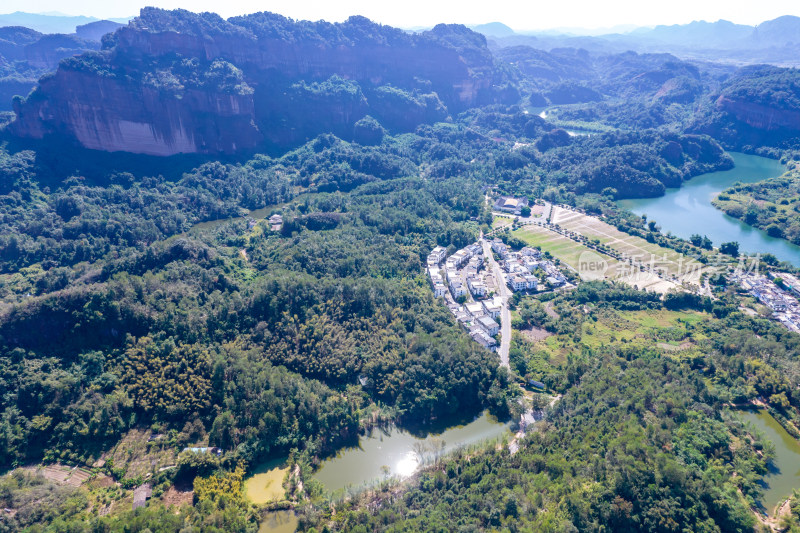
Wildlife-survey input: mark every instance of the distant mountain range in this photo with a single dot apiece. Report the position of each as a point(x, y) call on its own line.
point(775, 41)
point(34, 44)
point(49, 22)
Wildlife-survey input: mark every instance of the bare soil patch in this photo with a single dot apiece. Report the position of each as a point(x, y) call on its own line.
point(534, 334)
point(177, 497)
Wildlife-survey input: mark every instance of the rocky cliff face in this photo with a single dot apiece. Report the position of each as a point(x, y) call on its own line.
point(760, 116)
point(758, 106)
point(175, 82)
point(103, 113)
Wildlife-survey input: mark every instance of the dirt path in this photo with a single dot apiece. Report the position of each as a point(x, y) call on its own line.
point(296, 474)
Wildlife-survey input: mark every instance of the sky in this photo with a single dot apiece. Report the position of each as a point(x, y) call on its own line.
point(519, 14)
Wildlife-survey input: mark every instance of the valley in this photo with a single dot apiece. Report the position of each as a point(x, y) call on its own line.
point(260, 273)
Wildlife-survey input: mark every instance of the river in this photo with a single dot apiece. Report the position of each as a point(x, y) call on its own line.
point(688, 210)
point(784, 469)
point(396, 453)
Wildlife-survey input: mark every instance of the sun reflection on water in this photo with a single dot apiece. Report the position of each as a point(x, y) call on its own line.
point(407, 465)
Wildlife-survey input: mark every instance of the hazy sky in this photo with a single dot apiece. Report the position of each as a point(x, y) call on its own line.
point(519, 14)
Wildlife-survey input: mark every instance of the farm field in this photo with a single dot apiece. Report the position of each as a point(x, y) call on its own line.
point(569, 252)
point(667, 261)
point(560, 247)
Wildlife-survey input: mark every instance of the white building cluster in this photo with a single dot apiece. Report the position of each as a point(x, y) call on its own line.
point(463, 274)
point(783, 305)
point(520, 267)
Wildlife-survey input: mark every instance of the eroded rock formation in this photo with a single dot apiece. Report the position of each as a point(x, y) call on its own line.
point(177, 82)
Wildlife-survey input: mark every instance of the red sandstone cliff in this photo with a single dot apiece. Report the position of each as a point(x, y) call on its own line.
point(760, 116)
point(175, 82)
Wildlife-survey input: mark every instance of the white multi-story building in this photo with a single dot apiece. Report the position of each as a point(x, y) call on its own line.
point(530, 263)
point(437, 255)
point(493, 306)
point(527, 251)
point(475, 309)
point(439, 290)
point(479, 335)
point(477, 287)
point(492, 328)
point(500, 248)
point(457, 288)
point(517, 282)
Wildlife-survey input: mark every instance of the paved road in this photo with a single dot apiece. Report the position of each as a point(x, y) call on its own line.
point(505, 314)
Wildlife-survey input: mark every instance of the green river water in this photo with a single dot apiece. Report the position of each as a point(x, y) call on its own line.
point(688, 210)
point(784, 469)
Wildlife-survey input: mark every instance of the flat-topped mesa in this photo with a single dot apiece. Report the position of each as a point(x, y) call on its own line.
point(178, 82)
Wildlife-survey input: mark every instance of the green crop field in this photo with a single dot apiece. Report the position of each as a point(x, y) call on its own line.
point(558, 246)
point(669, 261)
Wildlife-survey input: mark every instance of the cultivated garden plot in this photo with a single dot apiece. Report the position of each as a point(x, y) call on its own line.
point(573, 253)
point(669, 263)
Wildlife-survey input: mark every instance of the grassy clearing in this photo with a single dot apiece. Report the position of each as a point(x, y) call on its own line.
point(558, 246)
point(642, 327)
point(671, 332)
point(501, 222)
point(140, 457)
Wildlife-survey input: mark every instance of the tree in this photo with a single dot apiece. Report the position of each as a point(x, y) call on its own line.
point(773, 230)
point(222, 431)
point(730, 248)
point(525, 211)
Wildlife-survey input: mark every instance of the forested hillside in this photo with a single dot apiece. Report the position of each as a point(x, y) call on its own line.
point(772, 205)
point(213, 255)
point(641, 440)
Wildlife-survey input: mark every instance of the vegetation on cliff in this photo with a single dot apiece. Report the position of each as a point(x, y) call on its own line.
point(147, 306)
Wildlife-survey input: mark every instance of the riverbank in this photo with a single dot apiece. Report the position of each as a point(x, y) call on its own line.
point(782, 476)
point(688, 210)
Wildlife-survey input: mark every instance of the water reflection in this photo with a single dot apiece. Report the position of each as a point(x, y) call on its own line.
point(399, 453)
point(783, 474)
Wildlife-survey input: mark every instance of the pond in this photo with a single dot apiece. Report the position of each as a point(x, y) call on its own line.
point(255, 214)
point(688, 210)
point(278, 522)
point(784, 469)
point(396, 453)
point(266, 482)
